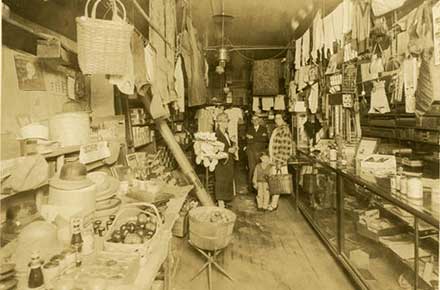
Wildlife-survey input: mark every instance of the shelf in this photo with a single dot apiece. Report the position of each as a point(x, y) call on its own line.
point(62, 151)
point(142, 145)
point(400, 127)
point(5, 196)
point(400, 139)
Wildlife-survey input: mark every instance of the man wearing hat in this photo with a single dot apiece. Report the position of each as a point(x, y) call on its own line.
point(257, 140)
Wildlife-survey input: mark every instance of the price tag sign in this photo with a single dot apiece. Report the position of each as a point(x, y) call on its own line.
point(93, 152)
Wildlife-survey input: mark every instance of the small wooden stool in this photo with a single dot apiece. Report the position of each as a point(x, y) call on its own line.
point(210, 262)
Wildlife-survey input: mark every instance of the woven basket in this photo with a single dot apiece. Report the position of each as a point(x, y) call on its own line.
point(103, 45)
point(207, 235)
point(280, 184)
point(128, 213)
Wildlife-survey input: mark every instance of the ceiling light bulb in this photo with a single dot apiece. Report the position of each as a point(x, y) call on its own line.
point(302, 13)
point(310, 7)
point(294, 23)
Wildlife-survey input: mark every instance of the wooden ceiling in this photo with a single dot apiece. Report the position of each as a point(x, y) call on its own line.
point(256, 22)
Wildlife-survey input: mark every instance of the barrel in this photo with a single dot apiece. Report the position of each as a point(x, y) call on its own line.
point(209, 235)
point(70, 129)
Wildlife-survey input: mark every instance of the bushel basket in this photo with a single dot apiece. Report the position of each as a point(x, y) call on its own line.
point(280, 184)
point(103, 45)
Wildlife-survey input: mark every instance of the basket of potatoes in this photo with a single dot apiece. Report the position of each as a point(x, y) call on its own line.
point(134, 227)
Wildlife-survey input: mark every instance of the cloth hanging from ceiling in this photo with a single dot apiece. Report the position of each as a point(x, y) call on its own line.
point(298, 49)
point(379, 101)
point(333, 27)
point(361, 25)
point(410, 74)
point(348, 16)
point(255, 104)
point(267, 103)
point(317, 34)
point(139, 64)
point(306, 47)
point(179, 85)
point(170, 26)
point(266, 75)
point(279, 103)
point(150, 62)
point(125, 83)
point(314, 98)
point(428, 90)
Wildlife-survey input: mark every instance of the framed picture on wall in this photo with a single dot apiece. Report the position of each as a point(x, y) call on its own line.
point(29, 73)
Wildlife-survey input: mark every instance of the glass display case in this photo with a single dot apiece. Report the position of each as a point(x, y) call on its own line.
point(382, 238)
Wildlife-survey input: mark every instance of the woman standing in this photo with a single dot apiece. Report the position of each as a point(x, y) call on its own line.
point(280, 149)
point(224, 171)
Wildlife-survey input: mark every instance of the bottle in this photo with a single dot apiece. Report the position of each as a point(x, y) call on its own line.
point(36, 278)
point(77, 239)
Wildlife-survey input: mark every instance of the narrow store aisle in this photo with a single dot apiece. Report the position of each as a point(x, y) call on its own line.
point(272, 251)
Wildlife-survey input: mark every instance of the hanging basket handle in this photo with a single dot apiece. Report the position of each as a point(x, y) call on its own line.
point(114, 4)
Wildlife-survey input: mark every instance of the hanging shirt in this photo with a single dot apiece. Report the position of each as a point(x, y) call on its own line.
point(255, 104)
point(306, 47)
point(318, 34)
point(279, 103)
point(379, 101)
point(150, 61)
point(205, 120)
point(298, 49)
point(410, 83)
point(313, 98)
point(361, 25)
point(267, 103)
point(179, 84)
point(235, 115)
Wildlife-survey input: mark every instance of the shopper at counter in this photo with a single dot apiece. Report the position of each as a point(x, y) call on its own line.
point(280, 149)
point(224, 171)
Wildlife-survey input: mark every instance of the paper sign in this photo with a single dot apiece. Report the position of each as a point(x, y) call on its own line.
point(93, 152)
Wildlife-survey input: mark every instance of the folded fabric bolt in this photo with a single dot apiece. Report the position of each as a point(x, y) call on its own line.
point(267, 103)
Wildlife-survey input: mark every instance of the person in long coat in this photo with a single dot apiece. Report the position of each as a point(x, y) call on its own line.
point(257, 141)
point(224, 171)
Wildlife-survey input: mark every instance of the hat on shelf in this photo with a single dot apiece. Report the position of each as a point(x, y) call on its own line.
point(72, 176)
point(106, 185)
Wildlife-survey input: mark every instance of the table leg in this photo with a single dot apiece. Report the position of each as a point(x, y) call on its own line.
point(223, 271)
point(200, 271)
point(209, 275)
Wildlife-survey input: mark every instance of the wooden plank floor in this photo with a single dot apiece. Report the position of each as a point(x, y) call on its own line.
point(270, 251)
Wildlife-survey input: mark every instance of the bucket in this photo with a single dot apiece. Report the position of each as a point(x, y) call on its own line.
point(70, 129)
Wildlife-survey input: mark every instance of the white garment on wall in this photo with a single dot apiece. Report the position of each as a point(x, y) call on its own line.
point(179, 84)
point(279, 103)
point(348, 15)
point(150, 61)
point(313, 98)
point(255, 104)
point(333, 27)
point(318, 34)
point(410, 83)
point(267, 103)
point(234, 115)
point(298, 48)
point(306, 47)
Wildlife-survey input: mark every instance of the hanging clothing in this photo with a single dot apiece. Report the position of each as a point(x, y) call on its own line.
point(410, 72)
point(280, 145)
point(224, 171)
point(279, 103)
point(318, 34)
point(235, 116)
point(306, 47)
point(267, 103)
point(298, 49)
point(255, 104)
point(139, 65)
point(361, 25)
point(125, 83)
point(314, 98)
point(206, 73)
point(379, 101)
point(205, 120)
point(150, 61)
point(179, 85)
point(348, 16)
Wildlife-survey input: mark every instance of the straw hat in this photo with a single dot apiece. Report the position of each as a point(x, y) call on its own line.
point(72, 176)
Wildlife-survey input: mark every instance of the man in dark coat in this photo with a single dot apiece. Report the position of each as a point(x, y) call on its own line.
point(257, 141)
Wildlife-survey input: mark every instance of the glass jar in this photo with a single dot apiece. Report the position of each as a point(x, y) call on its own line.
point(415, 186)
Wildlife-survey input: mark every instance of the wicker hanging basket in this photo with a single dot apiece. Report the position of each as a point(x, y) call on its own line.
point(103, 45)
